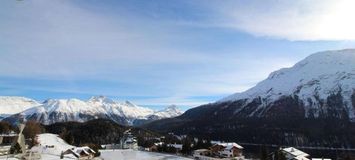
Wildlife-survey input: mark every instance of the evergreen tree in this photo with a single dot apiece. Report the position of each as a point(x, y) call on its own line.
point(186, 146)
point(263, 153)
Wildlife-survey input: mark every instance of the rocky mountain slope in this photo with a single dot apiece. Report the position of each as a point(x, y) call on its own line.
point(318, 89)
point(64, 110)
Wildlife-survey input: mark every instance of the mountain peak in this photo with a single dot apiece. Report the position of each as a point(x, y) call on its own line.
point(313, 80)
point(169, 111)
point(63, 110)
point(101, 99)
point(325, 69)
point(12, 104)
point(172, 107)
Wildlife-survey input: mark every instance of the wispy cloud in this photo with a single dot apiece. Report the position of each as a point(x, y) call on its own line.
point(152, 52)
point(292, 20)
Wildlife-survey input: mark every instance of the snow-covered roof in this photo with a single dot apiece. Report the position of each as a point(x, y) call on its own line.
point(301, 158)
point(76, 151)
point(230, 145)
point(178, 146)
point(215, 142)
point(296, 153)
point(86, 149)
point(12, 134)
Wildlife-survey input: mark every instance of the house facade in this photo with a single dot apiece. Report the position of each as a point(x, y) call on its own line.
point(227, 150)
point(80, 152)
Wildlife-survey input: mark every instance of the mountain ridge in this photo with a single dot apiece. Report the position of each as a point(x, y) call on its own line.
point(312, 80)
point(64, 110)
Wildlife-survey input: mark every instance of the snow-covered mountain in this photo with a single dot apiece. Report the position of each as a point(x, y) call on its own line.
point(11, 105)
point(63, 110)
point(323, 84)
point(320, 86)
point(309, 104)
point(168, 112)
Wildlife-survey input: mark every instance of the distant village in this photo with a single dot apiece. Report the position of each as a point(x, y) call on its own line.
point(14, 145)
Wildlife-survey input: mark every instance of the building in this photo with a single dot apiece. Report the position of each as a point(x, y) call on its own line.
point(128, 141)
point(154, 147)
point(80, 152)
point(178, 147)
point(202, 154)
point(292, 153)
point(6, 140)
point(227, 150)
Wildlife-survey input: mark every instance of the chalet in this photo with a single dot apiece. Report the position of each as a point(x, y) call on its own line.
point(202, 154)
point(292, 153)
point(227, 150)
point(81, 152)
point(154, 147)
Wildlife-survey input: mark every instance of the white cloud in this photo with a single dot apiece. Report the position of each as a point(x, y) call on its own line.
point(292, 20)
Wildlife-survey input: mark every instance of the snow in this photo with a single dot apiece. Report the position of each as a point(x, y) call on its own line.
point(177, 146)
point(12, 104)
point(170, 111)
point(133, 155)
point(230, 145)
point(48, 139)
point(297, 154)
point(51, 146)
point(317, 76)
point(97, 107)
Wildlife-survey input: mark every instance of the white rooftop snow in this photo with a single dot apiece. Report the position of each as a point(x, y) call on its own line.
point(230, 145)
point(295, 152)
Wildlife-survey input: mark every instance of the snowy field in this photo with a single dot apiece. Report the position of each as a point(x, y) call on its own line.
point(137, 155)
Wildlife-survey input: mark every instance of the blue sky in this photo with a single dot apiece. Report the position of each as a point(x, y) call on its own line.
point(160, 52)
